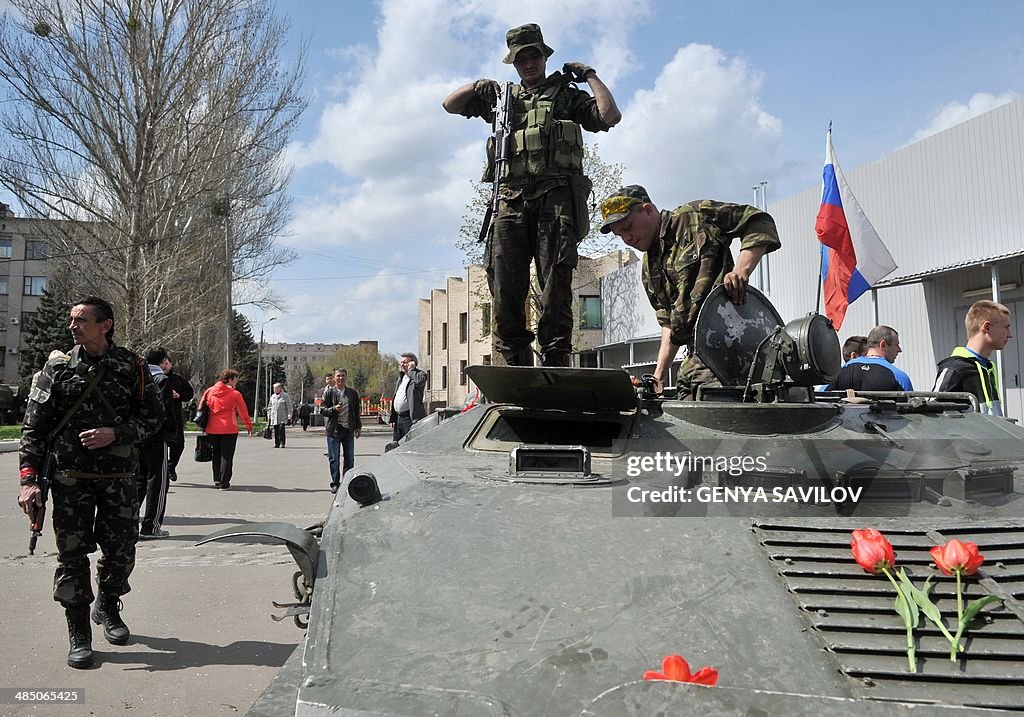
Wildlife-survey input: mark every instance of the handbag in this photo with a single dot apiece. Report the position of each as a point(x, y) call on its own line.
point(202, 414)
point(204, 449)
point(268, 432)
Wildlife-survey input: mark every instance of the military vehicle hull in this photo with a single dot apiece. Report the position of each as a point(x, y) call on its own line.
point(496, 579)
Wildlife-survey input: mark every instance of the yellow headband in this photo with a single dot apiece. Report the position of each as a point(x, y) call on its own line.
point(617, 205)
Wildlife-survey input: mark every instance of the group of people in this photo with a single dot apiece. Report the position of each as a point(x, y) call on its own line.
point(869, 360)
point(540, 213)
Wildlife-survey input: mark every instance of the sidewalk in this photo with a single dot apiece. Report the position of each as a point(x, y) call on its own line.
point(202, 638)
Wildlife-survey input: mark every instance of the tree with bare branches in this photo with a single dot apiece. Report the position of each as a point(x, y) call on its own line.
point(154, 129)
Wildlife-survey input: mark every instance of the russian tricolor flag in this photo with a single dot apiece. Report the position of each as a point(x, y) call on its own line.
point(856, 258)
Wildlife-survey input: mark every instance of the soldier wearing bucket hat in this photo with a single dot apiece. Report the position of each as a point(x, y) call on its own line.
point(542, 213)
point(686, 254)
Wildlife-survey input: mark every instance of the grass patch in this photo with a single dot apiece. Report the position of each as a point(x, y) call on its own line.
point(10, 433)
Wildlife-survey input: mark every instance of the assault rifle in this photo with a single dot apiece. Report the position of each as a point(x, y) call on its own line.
point(38, 515)
point(501, 133)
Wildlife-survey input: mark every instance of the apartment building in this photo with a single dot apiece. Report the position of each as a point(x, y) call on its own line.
point(23, 273)
point(455, 326)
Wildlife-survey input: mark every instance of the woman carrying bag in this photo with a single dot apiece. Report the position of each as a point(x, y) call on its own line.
point(225, 406)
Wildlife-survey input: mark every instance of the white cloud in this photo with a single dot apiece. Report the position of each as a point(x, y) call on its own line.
point(699, 133)
point(955, 112)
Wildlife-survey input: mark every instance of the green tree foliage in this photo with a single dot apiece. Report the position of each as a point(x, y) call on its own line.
point(301, 384)
point(47, 332)
point(244, 354)
point(369, 371)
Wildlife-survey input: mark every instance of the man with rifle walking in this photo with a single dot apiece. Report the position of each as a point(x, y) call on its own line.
point(88, 409)
point(539, 204)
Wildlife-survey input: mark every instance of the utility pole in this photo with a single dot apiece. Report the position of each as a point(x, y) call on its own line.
point(259, 365)
point(228, 318)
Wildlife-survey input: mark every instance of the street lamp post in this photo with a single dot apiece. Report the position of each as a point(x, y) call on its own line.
point(259, 365)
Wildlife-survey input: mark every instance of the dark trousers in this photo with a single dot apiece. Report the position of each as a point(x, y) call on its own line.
point(305, 422)
point(223, 456)
point(151, 484)
point(174, 450)
point(344, 442)
point(278, 435)
point(541, 231)
point(88, 512)
point(402, 426)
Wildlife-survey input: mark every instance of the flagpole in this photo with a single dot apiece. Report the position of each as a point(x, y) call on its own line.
point(821, 262)
point(821, 247)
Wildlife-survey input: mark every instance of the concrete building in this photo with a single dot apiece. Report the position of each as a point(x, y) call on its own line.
point(23, 273)
point(950, 209)
point(455, 326)
point(300, 354)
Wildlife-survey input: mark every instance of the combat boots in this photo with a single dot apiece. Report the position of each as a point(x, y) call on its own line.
point(80, 636)
point(108, 613)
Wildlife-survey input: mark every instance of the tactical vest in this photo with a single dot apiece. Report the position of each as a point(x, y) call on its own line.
point(990, 402)
point(540, 144)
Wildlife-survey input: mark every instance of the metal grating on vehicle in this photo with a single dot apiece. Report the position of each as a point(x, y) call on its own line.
point(852, 612)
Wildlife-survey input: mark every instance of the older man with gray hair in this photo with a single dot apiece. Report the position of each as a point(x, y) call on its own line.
point(279, 410)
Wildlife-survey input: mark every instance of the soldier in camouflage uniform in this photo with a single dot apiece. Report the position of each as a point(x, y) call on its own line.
point(93, 488)
point(542, 214)
point(686, 255)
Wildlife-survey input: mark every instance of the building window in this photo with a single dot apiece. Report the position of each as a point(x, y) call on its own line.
point(3, 356)
point(588, 360)
point(428, 380)
point(4, 280)
point(462, 373)
point(34, 285)
point(430, 347)
point(463, 328)
point(444, 377)
point(487, 359)
point(5, 248)
point(485, 318)
point(444, 336)
point(590, 312)
point(36, 250)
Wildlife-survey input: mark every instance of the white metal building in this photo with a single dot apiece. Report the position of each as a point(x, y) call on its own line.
point(950, 208)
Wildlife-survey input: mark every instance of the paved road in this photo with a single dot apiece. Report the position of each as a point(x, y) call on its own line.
point(202, 639)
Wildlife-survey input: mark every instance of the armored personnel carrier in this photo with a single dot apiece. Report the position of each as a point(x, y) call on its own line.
point(539, 552)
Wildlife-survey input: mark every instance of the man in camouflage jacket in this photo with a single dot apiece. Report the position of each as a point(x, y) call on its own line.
point(93, 487)
point(686, 255)
point(542, 213)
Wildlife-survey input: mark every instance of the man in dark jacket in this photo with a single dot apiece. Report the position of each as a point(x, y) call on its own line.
point(182, 393)
point(151, 480)
point(407, 407)
point(341, 409)
point(970, 368)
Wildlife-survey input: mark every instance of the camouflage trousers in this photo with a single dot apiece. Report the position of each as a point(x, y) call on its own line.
point(88, 512)
point(692, 374)
point(541, 231)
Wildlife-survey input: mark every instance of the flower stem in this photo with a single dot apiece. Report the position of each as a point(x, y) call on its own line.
point(954, 646)
point(911, 650)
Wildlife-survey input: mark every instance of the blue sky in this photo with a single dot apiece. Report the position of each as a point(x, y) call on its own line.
point(715, 98)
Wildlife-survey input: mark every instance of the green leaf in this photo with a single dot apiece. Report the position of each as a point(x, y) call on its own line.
point(906, 610)
point(921, 599)
point(975, 606)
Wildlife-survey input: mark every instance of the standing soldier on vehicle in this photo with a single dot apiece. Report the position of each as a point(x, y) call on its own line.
point(89, 409)
point(540, 211)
